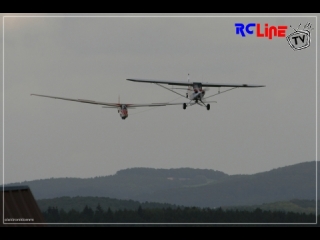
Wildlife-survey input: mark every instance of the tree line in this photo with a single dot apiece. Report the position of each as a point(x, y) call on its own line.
point(185, 215)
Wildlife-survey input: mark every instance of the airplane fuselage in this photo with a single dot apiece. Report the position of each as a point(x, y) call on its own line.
point(195, 92)
point(123, 111)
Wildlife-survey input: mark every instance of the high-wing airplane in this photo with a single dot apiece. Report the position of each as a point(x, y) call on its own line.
point(122, 107)
point(195, 92)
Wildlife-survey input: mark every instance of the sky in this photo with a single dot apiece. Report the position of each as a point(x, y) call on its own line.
point(90, 56)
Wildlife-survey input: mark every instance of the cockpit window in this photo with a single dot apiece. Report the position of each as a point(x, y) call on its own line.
point(197, 86)
point(124, 107)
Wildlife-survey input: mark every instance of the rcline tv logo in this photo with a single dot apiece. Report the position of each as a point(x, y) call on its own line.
point(267, 32)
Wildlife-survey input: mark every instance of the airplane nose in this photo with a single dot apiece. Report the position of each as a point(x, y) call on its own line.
point(195, 96)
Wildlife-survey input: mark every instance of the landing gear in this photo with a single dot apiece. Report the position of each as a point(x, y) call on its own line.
point(184, 106)
point(208, 107)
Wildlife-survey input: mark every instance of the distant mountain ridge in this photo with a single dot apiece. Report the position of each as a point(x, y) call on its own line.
point(188, 187)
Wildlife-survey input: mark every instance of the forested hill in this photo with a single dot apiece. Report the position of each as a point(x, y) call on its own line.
point(188, 187)
point(125, 184)
point(282, 184)
point(80, 203)
point(186, 173)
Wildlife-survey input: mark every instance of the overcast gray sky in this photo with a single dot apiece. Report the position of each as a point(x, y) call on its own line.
point(247, 131)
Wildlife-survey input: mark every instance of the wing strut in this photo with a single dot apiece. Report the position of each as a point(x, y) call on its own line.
point(221, 92)
point(171, 90)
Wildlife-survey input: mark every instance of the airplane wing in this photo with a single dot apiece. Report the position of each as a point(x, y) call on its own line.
point(191, 83)
point(114, 105)
point(105, 105)
point(161, 82)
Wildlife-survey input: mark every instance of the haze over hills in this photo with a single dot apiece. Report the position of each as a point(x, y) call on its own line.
point(188, 187)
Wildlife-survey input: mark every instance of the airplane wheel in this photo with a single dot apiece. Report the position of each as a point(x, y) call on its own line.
point(208, 107)
point(184, 106)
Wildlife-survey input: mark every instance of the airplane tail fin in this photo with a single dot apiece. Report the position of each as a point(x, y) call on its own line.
point(119, 98)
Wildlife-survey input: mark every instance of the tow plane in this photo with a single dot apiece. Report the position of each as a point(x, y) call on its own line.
point(122, 107)
point(195, 93)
